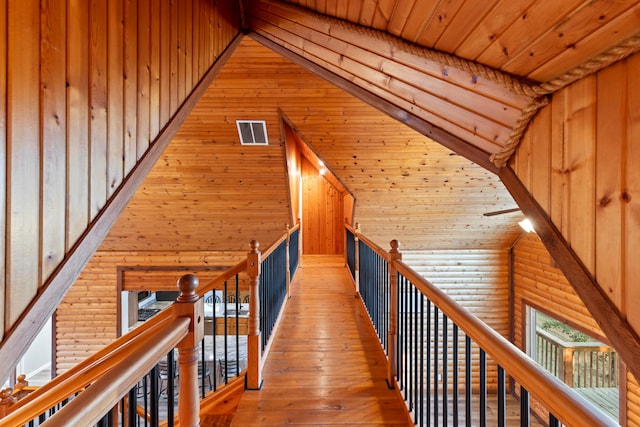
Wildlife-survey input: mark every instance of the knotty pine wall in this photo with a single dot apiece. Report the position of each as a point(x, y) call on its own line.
point(87, 319)
point(537, 282)
point(478, 280)
point(85, 88)
point(579, 160)
point(322, 213)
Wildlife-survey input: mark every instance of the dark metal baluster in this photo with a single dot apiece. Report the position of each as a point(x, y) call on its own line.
point(400, 334)
point(456, 376)
point(553, 421)
point(502, 405)
point(428, 380)
point(436, 337)
point(483, 388)
point(422, 402)
point(411, 352)
point(202, 369)
point(405, 338)
point(154, 396)
point(171, 385)
point(131, 412)
point(416, 352)
point(524, 407)
point(445, 367)
point(468, 378)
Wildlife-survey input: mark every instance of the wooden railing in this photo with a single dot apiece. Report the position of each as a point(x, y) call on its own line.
point(104, 387)
point(578, 364)
point(429, 336)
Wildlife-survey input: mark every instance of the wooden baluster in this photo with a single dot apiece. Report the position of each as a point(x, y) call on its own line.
point(254, 373)
point(189, 304)
point(395, 255)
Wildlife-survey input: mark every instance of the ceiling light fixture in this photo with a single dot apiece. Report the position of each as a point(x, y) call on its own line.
point(526, 225)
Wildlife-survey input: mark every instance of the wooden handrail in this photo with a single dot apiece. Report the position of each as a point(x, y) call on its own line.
point(377, 249)
point(561, 400)
point(219, 281)
point(242, 265)
point(91, 368)
point(78, 378)
point(90, 405)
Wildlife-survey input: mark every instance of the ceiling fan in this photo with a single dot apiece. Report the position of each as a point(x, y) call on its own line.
point(501, 212)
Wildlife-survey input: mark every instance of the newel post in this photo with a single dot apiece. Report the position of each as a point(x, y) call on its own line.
point(189, 304)
point(254, 372)
point(356, 247)
point(394, 255)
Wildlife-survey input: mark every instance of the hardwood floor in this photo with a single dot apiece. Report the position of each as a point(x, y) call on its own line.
point(325, 366)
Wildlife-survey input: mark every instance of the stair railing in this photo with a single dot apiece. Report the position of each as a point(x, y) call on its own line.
point(104, 387)
point(427, 336)
point(99, 386)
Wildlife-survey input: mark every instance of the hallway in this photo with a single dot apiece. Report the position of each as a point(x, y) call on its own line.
point(325, 367)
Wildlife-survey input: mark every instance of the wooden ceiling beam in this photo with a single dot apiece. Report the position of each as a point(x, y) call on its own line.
point(455, 95)
point(443, 137)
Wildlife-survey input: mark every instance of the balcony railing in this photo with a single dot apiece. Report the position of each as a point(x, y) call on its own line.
point(443, 359)
point(578, 364)
point(138, 376)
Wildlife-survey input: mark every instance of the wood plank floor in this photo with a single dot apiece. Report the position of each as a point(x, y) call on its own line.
point(325, 367)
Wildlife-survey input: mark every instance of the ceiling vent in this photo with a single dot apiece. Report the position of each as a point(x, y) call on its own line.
point(252, 132)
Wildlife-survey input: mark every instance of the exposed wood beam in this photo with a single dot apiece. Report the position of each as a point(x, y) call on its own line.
point(18, 339)
point(416, 123)
point(606, 314)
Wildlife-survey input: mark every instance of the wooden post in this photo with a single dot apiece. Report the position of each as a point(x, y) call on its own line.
point(254, 371)
point(568, 355)
point(356, 247)
point(288, 261)
point(189, 304)
point(6, 400)
point(395, 255)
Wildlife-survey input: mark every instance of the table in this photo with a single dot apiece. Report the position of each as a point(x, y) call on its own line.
point(236, 353)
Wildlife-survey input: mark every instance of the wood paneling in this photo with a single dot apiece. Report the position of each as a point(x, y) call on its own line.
point(87, 319)
point(538, 39)
point(75, 117)
point(23, 158)
point(322, 213)
point(591, 200)
point(538, 283)
point(3, 155)
point(484, 112)
point(406, 186)
point(476, 279)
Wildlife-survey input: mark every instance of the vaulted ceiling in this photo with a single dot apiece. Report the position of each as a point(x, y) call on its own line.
point(370, 86)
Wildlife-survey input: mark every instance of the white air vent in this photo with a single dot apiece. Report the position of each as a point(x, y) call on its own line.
point(252, 132)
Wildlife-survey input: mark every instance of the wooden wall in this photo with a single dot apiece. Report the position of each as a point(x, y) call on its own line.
point(85, 88)
point(578, 159)
point(537, 282)
point(87, 319)
point(476, 279)
point(322, 213)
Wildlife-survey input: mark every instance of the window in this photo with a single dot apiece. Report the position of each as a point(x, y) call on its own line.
point(581, 361)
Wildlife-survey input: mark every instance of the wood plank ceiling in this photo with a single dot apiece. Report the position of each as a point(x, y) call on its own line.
point(210, 193)
point(464, 72)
